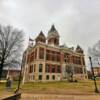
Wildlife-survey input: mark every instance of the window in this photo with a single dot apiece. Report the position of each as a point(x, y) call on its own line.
point(34, 67)
point(31, 69)
point(65, 60)
point(40, 77)
point(40, 67)
point(47, 68)
point(32, 57)
point(53, 69)
point(66, 57)
point(58, 57)
point(53, 55)
point(58, 69)
point(78, 70)
point(47, 77)
point(77, 60)
point(53, 77)
point(41, 53)
point(48, 55)
point(28, 58)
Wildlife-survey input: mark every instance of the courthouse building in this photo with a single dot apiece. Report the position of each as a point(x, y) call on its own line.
point(47, 60)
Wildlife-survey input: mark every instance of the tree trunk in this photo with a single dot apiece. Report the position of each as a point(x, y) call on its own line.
point(1, 70)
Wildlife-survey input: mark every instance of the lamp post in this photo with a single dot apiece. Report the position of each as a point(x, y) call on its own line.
point(96, 89)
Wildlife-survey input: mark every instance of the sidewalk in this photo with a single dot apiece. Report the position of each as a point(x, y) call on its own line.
point(4, 94)
point(59, 97)
point(40, 96)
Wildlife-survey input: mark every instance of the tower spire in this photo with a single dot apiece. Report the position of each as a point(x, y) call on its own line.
point(53, 36)
point(52, 28)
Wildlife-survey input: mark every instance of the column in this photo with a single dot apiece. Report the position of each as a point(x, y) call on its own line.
point(37, 71)
point(44, 65)
point(83, 67)
point(62, 60)
point(50, 68)
point(55, 68)
point(37, 53)
point(50, 56)
point(45, 54)
point(50, 71)
point(43, 72)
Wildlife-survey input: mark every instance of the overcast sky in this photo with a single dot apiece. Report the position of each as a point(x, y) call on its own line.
point(77, 21)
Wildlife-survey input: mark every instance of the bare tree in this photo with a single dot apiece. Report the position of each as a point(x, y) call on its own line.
point(69, 71)
point(95, 50)
point(11, 47)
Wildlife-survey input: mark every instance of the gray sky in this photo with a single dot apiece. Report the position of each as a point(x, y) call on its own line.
point(77, 21)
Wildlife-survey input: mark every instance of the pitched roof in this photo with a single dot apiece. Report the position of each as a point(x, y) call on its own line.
point(41, 35)
point(52, 28)
point(53, 32)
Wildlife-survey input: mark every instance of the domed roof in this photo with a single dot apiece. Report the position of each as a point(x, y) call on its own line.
point(53, 32)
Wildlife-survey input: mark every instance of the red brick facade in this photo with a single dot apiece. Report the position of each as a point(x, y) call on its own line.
point(49, 61)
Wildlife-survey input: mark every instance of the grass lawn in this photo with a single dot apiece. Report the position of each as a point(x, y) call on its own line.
point(55, 87)
point(61, 87)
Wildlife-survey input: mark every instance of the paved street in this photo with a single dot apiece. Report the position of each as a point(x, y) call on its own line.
point(59, 97)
